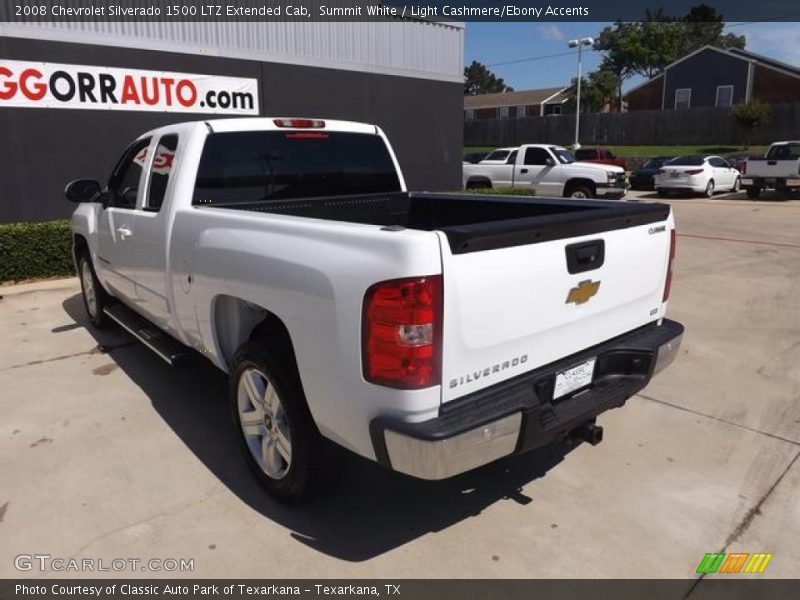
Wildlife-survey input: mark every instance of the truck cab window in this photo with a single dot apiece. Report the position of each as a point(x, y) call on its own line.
point(536, 156)
point(163, 162)
point(123, 186)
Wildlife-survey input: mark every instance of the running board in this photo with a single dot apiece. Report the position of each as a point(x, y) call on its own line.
point(165, 346)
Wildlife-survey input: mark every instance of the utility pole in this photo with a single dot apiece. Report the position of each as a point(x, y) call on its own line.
point(579, 44)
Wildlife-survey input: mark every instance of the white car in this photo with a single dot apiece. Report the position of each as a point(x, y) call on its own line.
point(697, 173)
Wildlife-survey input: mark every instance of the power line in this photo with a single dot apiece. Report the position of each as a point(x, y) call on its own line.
point(530, 58)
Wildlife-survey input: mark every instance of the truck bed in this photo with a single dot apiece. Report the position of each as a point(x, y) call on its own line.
point(471, 222)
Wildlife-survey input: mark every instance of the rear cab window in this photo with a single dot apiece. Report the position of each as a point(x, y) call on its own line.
point(784, 152)
point(264, 166)
point(160, 171)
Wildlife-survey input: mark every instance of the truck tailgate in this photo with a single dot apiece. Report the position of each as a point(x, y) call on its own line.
point(771, 168)
point(512, 307)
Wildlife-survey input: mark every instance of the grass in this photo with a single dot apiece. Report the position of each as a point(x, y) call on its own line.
point(648, 151)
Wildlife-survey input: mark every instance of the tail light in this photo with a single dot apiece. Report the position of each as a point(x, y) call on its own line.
point(300, 123)
point(402, 333)
point(743, 167)
point(694, 171)
point(668, 282)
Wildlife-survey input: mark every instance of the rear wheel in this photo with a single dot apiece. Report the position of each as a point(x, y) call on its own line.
point(578, 192)
point(479, 185)
point(276, 431)
point(662, 192)
point(95, 298)
point(709, 189)
point(753, 192)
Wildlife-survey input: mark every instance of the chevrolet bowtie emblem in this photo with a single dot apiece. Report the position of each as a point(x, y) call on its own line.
point(582, 292)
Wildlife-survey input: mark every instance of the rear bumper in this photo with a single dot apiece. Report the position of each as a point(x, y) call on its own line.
point(520, 414)
point(791, 182)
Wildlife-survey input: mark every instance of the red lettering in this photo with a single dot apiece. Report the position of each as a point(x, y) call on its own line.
point(185, 84)
point(151, 100)
point(37, 90)
point(129, 93)
point(168, 89)
point(9, 87)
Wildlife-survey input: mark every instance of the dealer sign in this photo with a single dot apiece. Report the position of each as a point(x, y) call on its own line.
point(50, 85)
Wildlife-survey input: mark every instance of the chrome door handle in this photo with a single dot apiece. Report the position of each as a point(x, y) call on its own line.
point(124, 232)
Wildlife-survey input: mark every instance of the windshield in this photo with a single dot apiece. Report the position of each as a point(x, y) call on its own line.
point(259, 166)
point(784, 152)
point(688, 161)
point(564, 156)
point(497, 155)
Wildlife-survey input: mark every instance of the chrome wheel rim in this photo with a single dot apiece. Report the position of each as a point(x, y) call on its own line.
point(89, 293)
point(737, 184)
point(264, 424)
point(710, 189)
point(579, 195)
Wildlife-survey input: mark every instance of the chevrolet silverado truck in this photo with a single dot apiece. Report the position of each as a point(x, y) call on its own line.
point(432, 333)
point(550, 171)
point(778, 169)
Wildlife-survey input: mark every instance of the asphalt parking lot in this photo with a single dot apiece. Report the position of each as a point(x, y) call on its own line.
point(111, 454)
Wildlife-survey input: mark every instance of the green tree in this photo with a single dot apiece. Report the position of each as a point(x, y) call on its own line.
point(598, 90)
point(478, 79)
point(752, 115)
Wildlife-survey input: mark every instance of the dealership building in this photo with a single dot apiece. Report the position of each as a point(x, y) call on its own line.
point(74, 94)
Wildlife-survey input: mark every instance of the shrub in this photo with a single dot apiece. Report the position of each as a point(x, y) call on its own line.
point(29, 250)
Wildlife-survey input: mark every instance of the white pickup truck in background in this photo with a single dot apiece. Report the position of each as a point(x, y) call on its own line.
point(778, 169)
point(432, 333)
point(547, 170)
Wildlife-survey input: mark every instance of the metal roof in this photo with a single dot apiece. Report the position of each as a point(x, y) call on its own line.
point(412, 48)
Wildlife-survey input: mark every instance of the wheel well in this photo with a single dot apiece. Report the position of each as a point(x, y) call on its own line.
point(571, 184)
point(79, 245)
point(479, 182)
point(237, 321)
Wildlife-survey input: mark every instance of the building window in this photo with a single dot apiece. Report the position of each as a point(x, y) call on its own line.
point(724, 95)
point(469, 114)
point(503, 110)
point(556, 110)
point(683, 98)
point(522, 111)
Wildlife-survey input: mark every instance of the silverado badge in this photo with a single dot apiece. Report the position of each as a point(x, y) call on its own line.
point(582, 292)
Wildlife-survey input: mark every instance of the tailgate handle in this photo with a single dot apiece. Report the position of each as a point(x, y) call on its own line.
point(585, 256)
point(772, 162)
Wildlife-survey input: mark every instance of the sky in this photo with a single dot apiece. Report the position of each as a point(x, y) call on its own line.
point(496, 43)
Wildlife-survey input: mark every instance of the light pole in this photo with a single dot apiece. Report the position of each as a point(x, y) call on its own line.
point(579, 44)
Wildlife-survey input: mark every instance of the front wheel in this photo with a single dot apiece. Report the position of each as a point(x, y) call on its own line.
point(709, 189)
point(737, 185)
point(277, 434)
point(95, 298)
point(579, 192)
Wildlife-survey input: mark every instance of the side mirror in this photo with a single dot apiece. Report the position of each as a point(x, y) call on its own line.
point(550, 162)
point(82, 190)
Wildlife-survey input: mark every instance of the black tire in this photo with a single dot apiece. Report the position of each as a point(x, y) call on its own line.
point(662, 192)
point(578, 192)
point(737, 185)
point(710, 188)
point(305, 469)
point(479, 185)
point(95, 298)
point(753, 192)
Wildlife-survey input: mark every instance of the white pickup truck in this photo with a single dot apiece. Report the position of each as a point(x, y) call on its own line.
point(432, 333)
point(547, 170)
point(778, 169)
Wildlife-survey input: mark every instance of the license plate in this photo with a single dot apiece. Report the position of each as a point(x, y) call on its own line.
point(674, 175)
point(574, 378)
